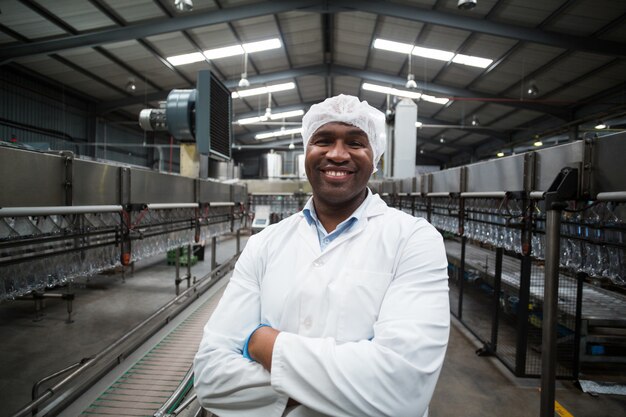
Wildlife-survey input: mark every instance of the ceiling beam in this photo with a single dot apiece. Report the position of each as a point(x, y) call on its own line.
point(452, 92)
point(445, 91)
point(230, 84)
point(153, 27)
point(386, 8)
point(505, 30)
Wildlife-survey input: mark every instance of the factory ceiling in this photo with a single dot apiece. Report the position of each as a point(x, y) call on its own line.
point(548, 66)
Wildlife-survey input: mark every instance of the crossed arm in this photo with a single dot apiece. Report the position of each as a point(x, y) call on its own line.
point(261, 346)
point(393, 374)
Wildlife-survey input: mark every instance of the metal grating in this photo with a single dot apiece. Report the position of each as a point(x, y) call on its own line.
point(517, 337)
point(566, 325)
point(220, 119)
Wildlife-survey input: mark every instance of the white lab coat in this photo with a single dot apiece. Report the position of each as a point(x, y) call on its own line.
point(364, 324)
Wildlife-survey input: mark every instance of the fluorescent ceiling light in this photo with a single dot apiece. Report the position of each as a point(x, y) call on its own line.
point(601, 125)
point(273, 116)
point(437, 54)
point(389, 90)
point(403, 48)
point(432, 53)
point(538, 143)
point(186, 58)
point(472, 61)
point(226, 51)
point(262, 45)
point(277, 133)
point(500, 154)
point(433, 99)
point(403, 93)
point(263, 90)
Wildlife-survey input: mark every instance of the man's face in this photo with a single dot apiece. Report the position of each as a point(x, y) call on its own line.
point(339, 162)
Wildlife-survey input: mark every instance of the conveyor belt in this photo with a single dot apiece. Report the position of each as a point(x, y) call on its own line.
point(598, 304)
point(153, 379)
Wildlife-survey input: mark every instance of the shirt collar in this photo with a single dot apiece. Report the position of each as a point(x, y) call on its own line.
point(311, 216)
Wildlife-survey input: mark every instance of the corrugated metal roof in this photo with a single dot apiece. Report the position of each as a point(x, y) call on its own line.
point(562, 46)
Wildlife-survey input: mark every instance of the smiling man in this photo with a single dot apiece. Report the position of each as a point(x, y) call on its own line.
point(339, 310)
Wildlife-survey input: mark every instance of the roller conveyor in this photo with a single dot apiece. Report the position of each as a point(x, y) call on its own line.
point(154, 378)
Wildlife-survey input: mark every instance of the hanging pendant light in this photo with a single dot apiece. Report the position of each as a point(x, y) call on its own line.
point(268, 109)
point(183, 5)
point(131, 87)
point(410, 78)
point(244, 83)
point(532, 89)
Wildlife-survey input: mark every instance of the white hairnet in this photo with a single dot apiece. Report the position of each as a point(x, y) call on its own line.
point(347, 109)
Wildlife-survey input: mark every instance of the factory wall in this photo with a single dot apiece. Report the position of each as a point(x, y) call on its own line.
point(44, 116)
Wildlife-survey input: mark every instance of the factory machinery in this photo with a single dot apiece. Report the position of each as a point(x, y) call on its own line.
point(531, 239)
point(63, 218)
point(494, 216)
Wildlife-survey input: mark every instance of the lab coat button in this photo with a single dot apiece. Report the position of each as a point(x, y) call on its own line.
point(306, 323)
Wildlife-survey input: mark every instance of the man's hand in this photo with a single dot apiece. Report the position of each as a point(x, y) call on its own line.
point(261, 346)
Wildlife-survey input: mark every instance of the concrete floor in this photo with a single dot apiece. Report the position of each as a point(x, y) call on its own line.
point(478, 386)
point(106, 307)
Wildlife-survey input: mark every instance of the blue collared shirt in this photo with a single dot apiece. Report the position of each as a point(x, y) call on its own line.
point(324, 237)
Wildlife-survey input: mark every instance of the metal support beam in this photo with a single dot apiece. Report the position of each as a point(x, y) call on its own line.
point(562, 189)
point(230, 84)
point(504, 30)
point(452, 92)
point(154, 27)
point(367, 75)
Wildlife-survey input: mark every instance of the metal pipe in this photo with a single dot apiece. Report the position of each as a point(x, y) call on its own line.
point(550, 306)
point(266, 194)
point(56, 210)
point(156, 206)
point(189, 256)
point(185, 404)
point(177, 262)
point(213, 253)
point(221, 204)
point(537, 195)
point(497, 285)
point(180, 390)
point(483, 194)
point(415, 194)
point(35, 390)
point(612, 196)
point(442, 194)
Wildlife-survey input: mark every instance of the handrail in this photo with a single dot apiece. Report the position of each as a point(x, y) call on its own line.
point(158, 206)
point(56, 210)
point(612, 196)
point(483, 194)
point(35, 390)
point(174, 400)
point(186, 404)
